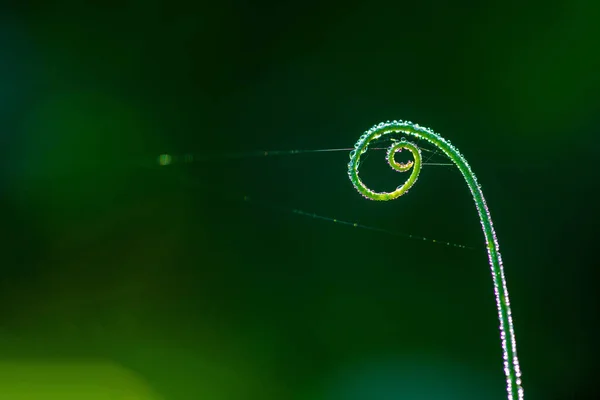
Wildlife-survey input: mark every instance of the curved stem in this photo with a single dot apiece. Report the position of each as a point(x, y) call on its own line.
point(507, 335)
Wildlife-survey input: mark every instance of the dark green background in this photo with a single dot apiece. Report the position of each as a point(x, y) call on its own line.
point(169, 273)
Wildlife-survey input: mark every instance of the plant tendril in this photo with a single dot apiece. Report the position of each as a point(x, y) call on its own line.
point(512, 369)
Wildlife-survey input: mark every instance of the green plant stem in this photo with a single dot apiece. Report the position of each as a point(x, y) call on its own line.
point(507, 335)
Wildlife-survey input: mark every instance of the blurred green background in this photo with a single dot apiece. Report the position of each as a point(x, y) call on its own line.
point(169, 274)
